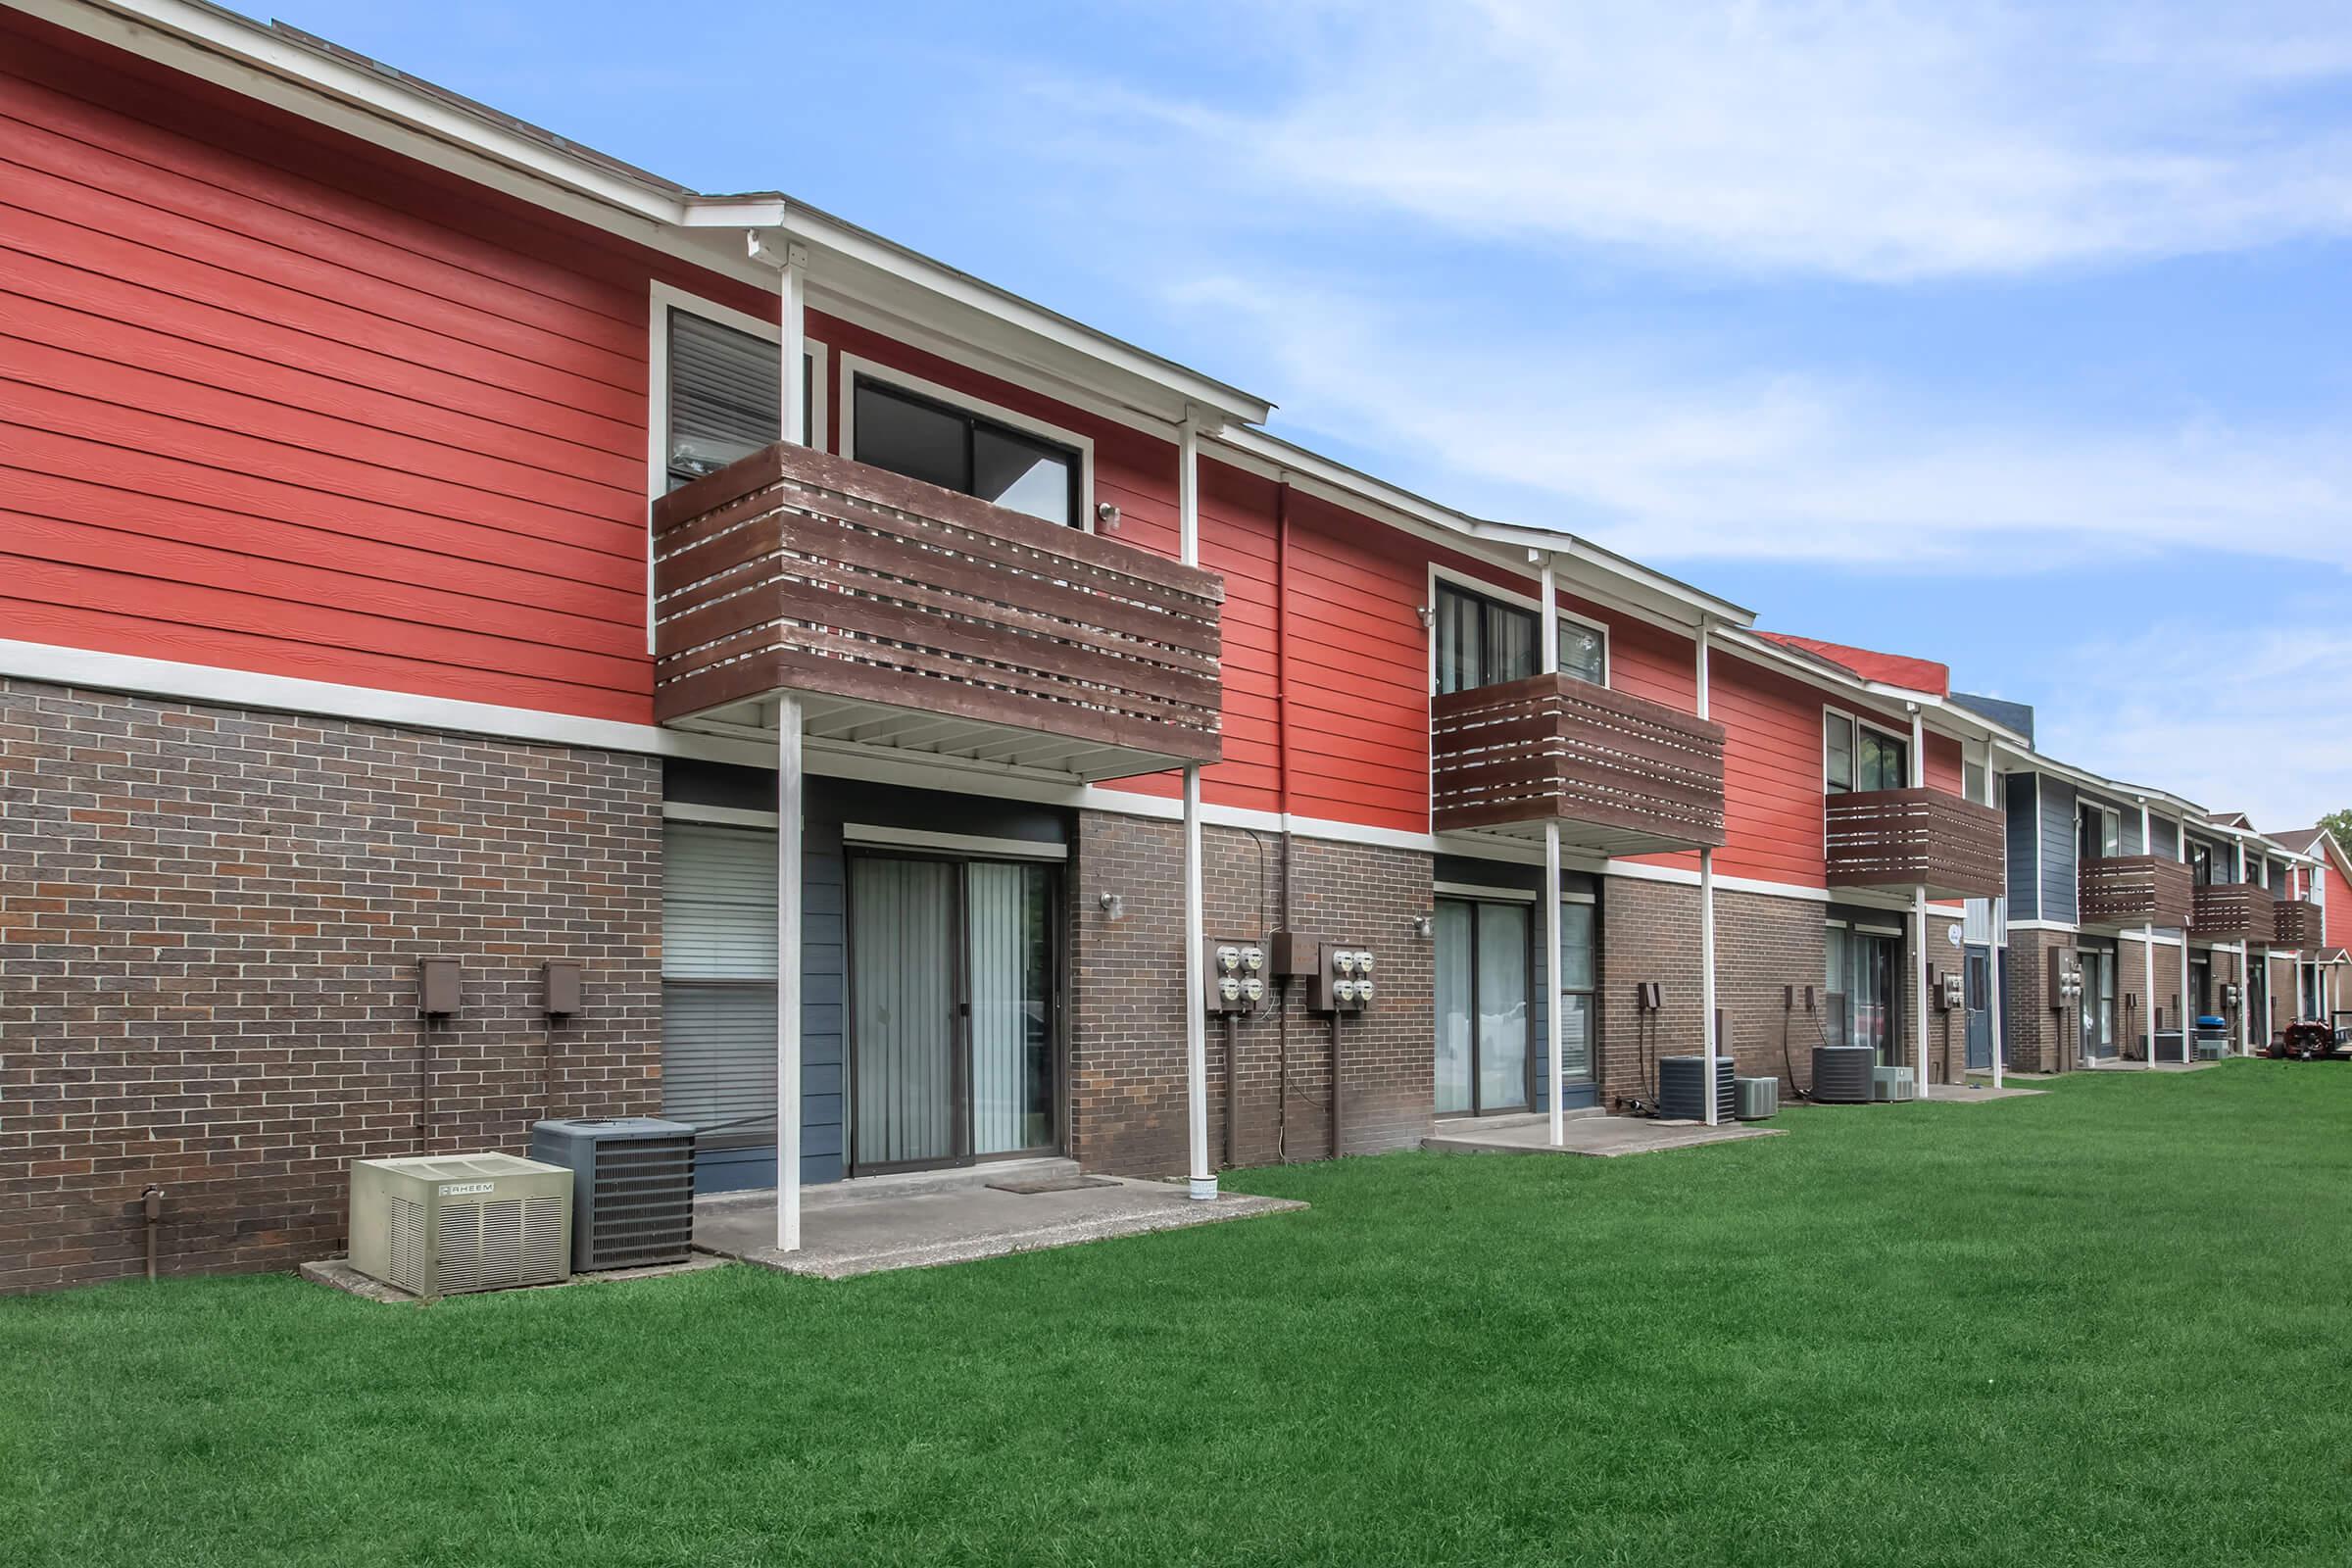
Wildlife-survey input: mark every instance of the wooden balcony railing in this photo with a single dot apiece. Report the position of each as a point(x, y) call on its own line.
point(1913, 838)
point(1621, 775)
point(2136, 890)
point(2232, 911)
point(2295, 923)
point(912, 616)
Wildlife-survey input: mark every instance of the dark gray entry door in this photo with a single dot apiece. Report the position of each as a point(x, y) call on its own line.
point(1977, 979)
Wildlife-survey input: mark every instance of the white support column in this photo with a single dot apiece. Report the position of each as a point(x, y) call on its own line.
point(1919, 900)
point(1195, 959)
point(1709, 1045)
point(2188, 1011)
point(2147, 943)
point(788, 973)
point(2245, 954)
point(792, 284)
point(1999, 926)
point(1555, 1024)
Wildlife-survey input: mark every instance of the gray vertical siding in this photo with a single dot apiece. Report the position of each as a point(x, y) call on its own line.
point(2058, 850)
point(828, 804)
point(2168, 838)
point(2024, 896)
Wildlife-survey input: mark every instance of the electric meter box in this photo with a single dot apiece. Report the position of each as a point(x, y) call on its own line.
point(1345, 979)
point(1237, 978)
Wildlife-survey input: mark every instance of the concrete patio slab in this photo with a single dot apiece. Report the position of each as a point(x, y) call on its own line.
point(878, 1223)
point(336, 1273)
point(1593, 1133)
point(1978, 1094)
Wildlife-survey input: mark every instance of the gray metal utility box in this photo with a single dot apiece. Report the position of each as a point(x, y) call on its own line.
point(632, 1195)
point(441, 1224)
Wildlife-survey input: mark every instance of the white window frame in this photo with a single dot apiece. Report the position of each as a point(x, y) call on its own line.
point(2107, 813)
point(1830, 710)
point(1510, 596)
point(666, 298)
point(853, 365)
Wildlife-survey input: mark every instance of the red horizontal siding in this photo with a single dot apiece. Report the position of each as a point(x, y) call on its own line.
point(275, 401)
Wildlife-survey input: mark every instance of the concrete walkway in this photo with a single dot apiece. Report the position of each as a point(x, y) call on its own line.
point(1590, 1133)
point(2142, 1066)
point(885, 1222)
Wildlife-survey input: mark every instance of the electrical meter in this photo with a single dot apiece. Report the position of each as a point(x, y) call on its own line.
point(1236, 984)
point(1342, 981)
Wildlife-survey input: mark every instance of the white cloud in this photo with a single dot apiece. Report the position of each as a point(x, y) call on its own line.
point(1658, 450)
point(1878, 141)
point(2253, 719)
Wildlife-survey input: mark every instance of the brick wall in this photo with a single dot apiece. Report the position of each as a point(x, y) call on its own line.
point(2040, 1040)
point(209, 928)
point(1763, 944)
point(1127, 1097)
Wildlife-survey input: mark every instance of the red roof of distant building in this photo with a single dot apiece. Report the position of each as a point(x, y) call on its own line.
point(1890, 669)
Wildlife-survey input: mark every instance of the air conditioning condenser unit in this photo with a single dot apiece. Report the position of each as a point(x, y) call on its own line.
point(1759, 1099)
point(441, 1224)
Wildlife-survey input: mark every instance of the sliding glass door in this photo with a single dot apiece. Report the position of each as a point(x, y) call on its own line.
point(952, 1004)
point(1863, 970)
point(1482, 1006)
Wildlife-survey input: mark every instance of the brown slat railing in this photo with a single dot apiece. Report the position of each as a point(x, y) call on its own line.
point(2295, 923)
point(2232, 911)
point(1910, 838)
point(1632, 774)
point(2136, 890)
point(796, 570)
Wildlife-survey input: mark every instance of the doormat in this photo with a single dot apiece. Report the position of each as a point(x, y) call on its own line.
point(1051, 1184)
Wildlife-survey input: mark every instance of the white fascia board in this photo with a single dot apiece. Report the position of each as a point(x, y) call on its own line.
point(2040, 762)
point(134, 24)
point(374, 103)
point(1604, 580)
point(1050, 328)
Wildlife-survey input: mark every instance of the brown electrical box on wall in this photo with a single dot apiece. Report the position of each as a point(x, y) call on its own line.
point(563, 986)
point(436, 986)
point(1295, 954)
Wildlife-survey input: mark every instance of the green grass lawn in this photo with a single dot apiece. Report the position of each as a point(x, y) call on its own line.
point(2106, 1325)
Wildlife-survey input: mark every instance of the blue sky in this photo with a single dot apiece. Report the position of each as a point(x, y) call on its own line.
point(2015, 336)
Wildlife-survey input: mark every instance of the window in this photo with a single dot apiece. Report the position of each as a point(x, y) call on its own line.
point(1856, 756)
point(1576, 990)
point(2099, 831)
point(936, 442)
point(1484, 642)
point(719, 983)
point(726, 401)
point(2204, 864)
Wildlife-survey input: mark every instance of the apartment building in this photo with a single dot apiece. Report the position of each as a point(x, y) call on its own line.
point(435, 547)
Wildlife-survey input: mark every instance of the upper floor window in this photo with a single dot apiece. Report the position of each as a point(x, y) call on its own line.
point(726, 400)
point(1856, 756)
point(2099, 831)
point(1484, 642)
point(955, 449)
point(2204, 864)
